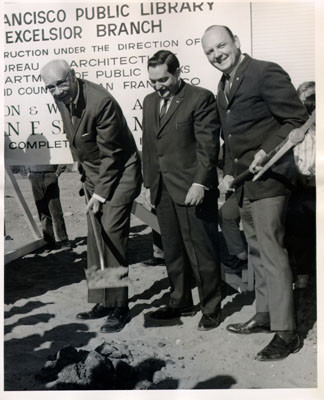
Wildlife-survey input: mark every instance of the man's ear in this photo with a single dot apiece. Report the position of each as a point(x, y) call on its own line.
point(237, 42)
point(178, 72)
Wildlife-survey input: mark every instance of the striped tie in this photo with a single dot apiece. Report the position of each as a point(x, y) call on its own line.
point(227, 86)
point(163, 108)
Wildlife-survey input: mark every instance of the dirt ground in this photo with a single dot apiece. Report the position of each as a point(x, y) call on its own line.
point(44, 292)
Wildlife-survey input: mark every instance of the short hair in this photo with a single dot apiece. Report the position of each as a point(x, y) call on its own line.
point(164, 57)
point(305, 86)
point(227, 29)
point(310, 103)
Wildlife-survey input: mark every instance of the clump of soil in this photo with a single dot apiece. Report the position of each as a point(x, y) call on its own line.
point(109, 366)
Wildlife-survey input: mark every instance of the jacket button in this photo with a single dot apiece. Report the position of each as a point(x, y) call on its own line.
point(230, 135)
point(235, 159)
point(160, 155)
point(228, 111)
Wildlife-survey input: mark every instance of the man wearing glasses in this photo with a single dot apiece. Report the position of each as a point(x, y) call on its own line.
point(102, 143)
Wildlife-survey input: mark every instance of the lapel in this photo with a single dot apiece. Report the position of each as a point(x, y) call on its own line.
point(176, 101)
point(80, 108)
point(155, 110)
point(68, 127)
point(239, 77)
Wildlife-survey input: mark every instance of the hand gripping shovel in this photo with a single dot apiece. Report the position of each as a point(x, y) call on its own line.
point(295, 137)
point(104, 277)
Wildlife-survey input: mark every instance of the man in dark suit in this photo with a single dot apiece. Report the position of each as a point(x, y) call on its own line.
point(180, 150)
point(102, 143)
point(259, 107)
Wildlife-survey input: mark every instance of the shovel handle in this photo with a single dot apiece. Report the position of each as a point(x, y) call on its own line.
point(95, 231)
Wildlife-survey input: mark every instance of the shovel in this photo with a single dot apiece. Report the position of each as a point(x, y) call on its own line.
point(104, 277)
point(295, 137)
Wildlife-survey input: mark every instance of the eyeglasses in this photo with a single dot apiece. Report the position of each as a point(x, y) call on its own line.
point(60, 83)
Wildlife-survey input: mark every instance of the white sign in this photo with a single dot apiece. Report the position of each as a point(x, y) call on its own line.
point(108, 44)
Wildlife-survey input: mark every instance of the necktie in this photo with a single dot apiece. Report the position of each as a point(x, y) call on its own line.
point(227, 86)
point(163, 108)
point(70, 107)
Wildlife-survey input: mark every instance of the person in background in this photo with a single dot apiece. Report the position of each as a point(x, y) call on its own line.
point(301, 213)
point(233, 247)
point(46, 192)
point(158, 253)
point(180, 151)
point(102, 143)
point(229, 221)
point(306, 89)
point(259, 107)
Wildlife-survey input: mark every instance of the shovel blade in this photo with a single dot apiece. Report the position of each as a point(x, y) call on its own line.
point(106, 278)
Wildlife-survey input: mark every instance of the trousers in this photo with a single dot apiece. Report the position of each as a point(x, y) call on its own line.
point(113, 224)
point(46, 194)
point(190, 243)
point(264, 227)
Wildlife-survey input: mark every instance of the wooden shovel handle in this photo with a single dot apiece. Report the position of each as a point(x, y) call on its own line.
point(95, 231)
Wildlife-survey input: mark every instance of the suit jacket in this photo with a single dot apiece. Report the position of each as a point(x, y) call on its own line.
point(183, 148)
point(102, 142)
point(262, 108)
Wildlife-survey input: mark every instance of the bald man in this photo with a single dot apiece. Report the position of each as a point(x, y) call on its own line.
point(102, 143)
point(259, 107)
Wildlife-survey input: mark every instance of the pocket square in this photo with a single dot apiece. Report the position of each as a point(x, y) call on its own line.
point(86, 134)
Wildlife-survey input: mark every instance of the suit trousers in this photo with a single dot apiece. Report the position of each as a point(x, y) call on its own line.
point(46, 194)
point(264, 227)
point(190, 243)
point(113, 223)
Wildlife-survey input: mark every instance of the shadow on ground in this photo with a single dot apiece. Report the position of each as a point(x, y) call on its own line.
point(38, 348)
point(40, 272)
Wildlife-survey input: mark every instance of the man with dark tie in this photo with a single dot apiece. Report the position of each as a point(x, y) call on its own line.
point(102, 143)
point(259, 107)
point(180, 151)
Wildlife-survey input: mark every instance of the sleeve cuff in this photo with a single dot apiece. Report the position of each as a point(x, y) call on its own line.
point(101, 199)
point(199, 184)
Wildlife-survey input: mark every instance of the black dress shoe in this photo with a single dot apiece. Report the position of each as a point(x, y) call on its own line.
point(152, 262)
point(65, 245)
point(116, 320)
point(209, 321)
point(49, 247)
point(98, 311)
point(171, 312)
point(251, 326)
point(278, 349)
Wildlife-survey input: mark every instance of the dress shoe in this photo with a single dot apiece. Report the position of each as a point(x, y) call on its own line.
point(251, 326)
point(152, 262)
point(279, 349)
point(171, 312)
point(65, 245)
point(49, 247)
point(116, 320)
point(98, 311)
point(209, 321)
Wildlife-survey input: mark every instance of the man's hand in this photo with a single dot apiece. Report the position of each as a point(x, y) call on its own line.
point(195, 195)
point(225, 184)
point(94, 205)
point(147, 198)
point(257, 163)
